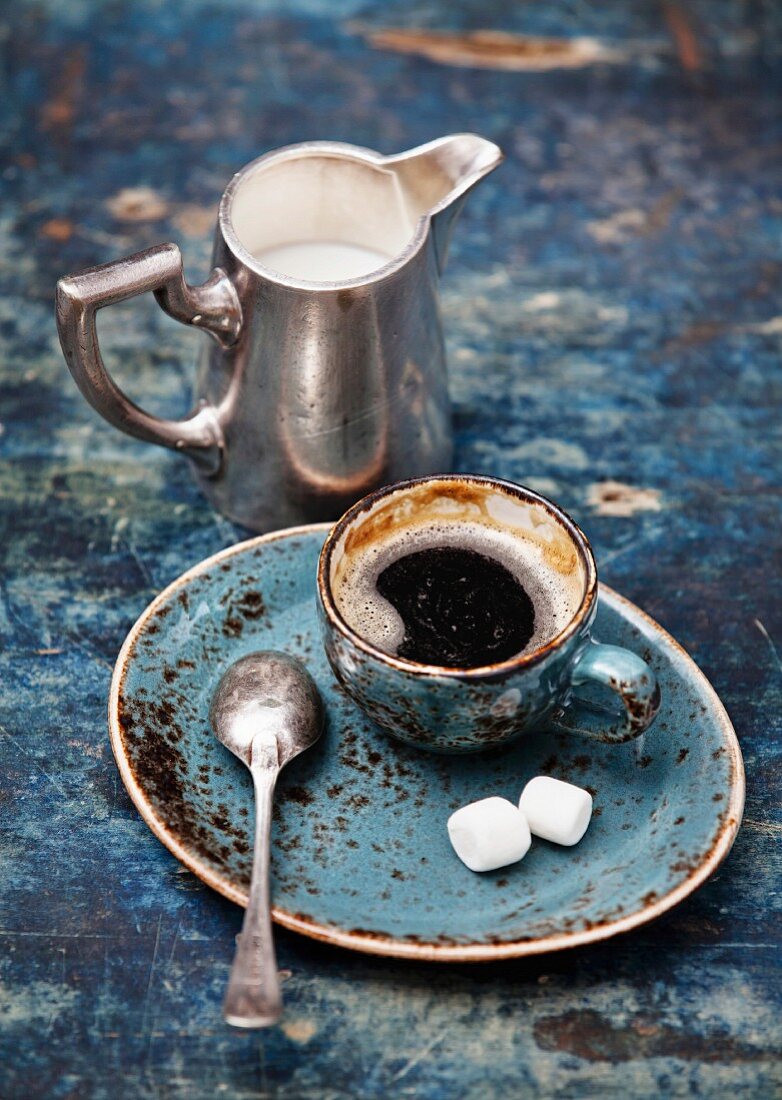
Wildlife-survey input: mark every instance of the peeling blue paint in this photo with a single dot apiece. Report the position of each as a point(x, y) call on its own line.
point(647, 342)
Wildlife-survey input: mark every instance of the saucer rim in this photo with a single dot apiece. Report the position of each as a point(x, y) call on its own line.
point(389, 946)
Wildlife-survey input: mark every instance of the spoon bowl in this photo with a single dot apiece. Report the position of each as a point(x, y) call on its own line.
point(269, 693)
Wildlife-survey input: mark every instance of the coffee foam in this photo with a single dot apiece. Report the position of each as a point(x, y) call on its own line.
point(556, 598)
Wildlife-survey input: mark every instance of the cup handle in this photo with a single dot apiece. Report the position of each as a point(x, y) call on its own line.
point(213, 306)
point(624, 673)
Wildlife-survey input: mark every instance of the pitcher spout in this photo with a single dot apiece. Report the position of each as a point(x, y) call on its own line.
point(438, 176)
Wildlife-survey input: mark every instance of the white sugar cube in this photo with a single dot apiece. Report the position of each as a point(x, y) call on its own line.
point(556, 810)
point(489, 834)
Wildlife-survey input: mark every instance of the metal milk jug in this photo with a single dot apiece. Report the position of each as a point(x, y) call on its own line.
point(325, 376)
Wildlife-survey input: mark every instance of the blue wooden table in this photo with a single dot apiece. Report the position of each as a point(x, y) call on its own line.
point(614, 323)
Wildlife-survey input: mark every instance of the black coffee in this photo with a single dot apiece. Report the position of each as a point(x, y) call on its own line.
point(459, 607)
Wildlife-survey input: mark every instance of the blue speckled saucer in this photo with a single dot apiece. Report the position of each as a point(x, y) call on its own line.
point(361, 856)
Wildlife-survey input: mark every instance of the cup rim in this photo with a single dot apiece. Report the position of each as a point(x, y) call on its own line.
point(418, 668)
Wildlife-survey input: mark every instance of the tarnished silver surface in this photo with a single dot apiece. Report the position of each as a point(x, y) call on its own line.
point(266, 710)
point(214, 307)
point(313, 393)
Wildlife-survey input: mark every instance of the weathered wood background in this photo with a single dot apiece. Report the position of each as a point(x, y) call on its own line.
point(613, 316)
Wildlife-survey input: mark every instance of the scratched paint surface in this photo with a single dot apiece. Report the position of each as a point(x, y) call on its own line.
point(612, 315)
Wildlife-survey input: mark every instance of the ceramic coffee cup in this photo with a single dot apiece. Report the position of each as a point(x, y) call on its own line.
point(559, 682)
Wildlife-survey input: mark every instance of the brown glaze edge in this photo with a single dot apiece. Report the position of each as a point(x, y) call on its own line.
point(378, 943)
point(416, 668)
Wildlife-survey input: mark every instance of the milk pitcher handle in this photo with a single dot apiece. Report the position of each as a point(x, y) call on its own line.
point(213, 306)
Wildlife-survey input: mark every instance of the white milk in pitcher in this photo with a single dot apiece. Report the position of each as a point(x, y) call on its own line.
point(322, 261)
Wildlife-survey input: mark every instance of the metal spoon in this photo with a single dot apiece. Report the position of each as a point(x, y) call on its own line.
point(266, 710)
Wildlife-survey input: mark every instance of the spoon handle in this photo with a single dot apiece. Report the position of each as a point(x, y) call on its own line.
point(253, 995)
